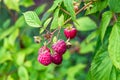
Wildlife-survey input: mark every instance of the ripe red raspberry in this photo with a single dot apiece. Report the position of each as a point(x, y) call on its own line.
point(42, 49)
point(45, 58)
point(59, 47)
point(56, 58)
point(70, 32)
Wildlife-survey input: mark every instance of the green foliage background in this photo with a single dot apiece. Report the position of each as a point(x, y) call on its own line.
point(98, 37)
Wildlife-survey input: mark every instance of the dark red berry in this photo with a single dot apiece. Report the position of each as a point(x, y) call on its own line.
point(59, 47)
point(56, 58)
point(45, 58)
point(70, 32)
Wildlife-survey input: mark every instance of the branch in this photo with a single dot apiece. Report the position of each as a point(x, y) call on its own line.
point(52, 33)
point(83, 8)
point(65, 11)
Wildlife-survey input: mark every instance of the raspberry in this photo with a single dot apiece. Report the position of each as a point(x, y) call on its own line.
point(45, 58)
point(59, 47)
point(70, 32)
point(76, 8)
point(56, 58)
point(42, 49)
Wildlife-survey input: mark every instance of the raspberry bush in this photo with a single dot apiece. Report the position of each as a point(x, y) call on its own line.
point(59, 40)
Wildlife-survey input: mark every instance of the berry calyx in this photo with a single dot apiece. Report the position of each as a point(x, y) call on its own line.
point(56, 58)
point(59, 47)
point(70, 32)
point(42, 49)
point(45, 58)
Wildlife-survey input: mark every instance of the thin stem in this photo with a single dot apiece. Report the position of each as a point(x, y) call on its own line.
point(67, 20)
point(83, 8)
point(65, 11)
point(52, 33)
point(114, 16)
point(58, 32)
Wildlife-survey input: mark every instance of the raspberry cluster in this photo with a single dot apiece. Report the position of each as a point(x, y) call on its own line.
point(58, 49)
point(45, 57)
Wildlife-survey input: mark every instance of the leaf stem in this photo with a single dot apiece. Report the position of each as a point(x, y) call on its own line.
point(114, 16)
point(52, 33)
point(58, 32)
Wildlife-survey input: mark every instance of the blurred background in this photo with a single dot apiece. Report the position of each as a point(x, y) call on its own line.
point(19, 52)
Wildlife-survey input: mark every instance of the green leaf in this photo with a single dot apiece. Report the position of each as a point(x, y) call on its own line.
point(20, 58)
point(10, 78)
point(106, 17)
point(4, 55)
point(114, 45)
point(73, 70)
point(6, 23)
point(40, 9)
point(13, 37)
point(28, 64)
point(69, 6)
point(100, 65)
point(7, 32)
point(20, 22)
point(85, 24)
point(114, 5)
point(32, 19)
point(56, 3)
point(45, 25)
point(22, 73)
point(92, 36)
point(87, 47)
point(54, 23)
point(45, 16)
point(54, 39)
point(99, 5)
point(26, 3)
point(12, 4)
point(61, 20)
point(28, 50)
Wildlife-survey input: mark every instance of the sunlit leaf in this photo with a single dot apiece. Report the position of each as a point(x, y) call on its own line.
point(87, 47)
point(100, 65)
point(69, 6)
point(26, 3)
point(22, 73)
point(73, 70)
point(114, 5)
point(46, 23)
point(99, 5)
point(61, 20)
point(85, 24)
point(54, 23)
point(114, 45)
point(4, 55)
point(12, 4)
point(106, 17)
point(32, 19)
point(55, 4)
point(40, 9)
